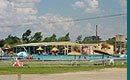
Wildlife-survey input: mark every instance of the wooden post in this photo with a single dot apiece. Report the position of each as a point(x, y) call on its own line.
point(96, 35)
point(19, 76)
point(67, 50)
point(115, 47)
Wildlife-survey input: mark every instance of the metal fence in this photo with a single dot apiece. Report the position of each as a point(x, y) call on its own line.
point(51, 63)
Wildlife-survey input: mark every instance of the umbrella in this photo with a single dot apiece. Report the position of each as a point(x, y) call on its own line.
point(39, 49)
point(123, 56)
point(1, 52)
point(6, 46)
point(22, 54)
point(66, 49)
point(74, 53)
point(54, 49)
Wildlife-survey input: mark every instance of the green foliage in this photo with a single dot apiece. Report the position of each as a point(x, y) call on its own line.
point(2, 42)
point(12, 40)
point(91, 39)
point(79, 39)
point(26, 36)
point(50, 39)
point(64, 38)
point(54, 39)
point(89, 42)
point(47, 39)
point(37, 37)
point(111, 41)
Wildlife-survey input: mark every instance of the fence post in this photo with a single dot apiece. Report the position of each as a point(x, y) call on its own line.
point(19, 76)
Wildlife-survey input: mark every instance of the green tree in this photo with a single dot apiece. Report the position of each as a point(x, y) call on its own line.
point(26, 36)
point(50, 39)
point(64, 38)
point(111, 41)
point(47, 39)
point(79, 39)
point(37, 37)
point(91, 39)
point(53, 38)
point(67, 37)
point(2, 42)
point(12, 40)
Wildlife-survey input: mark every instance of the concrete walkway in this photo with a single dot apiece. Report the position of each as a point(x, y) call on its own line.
point(104, 74)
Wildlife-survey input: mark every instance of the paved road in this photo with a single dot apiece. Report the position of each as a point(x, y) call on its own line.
point(105, 74)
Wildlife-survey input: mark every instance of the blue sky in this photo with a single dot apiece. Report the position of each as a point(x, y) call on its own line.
point(16, 16)
point(64, 7)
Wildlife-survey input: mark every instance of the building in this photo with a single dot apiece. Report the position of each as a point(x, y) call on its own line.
point(120, 44)
point(63, 48)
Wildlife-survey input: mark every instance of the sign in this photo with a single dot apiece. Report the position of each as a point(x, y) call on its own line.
point(17, 63)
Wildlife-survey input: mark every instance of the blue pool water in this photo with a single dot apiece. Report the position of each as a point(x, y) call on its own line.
point(64, 57)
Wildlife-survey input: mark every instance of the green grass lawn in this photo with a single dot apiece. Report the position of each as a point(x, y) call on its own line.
point(51, 70)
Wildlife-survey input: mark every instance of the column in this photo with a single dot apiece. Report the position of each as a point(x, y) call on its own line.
point(16, 50)
point(20, 49)
point(67, 49)
point(29, 50)
point(89, 49)
point(13, 49)
point(34, 50)
point(44, 49)
point(115, 47)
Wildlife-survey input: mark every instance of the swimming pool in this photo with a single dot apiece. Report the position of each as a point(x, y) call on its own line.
point(64, 57)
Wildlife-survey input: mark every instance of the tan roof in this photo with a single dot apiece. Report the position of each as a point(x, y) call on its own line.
point(101, 52)
point(55, 44)
point(49, 43)
point(65, 43)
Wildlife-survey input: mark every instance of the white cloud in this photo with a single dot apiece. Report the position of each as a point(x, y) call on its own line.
point(89, 6)
point(79, 4)
point(3, 4)
point(17, 13)
point(89, 29)
point(26, 11)
point(50, 23)
point(13, 12)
